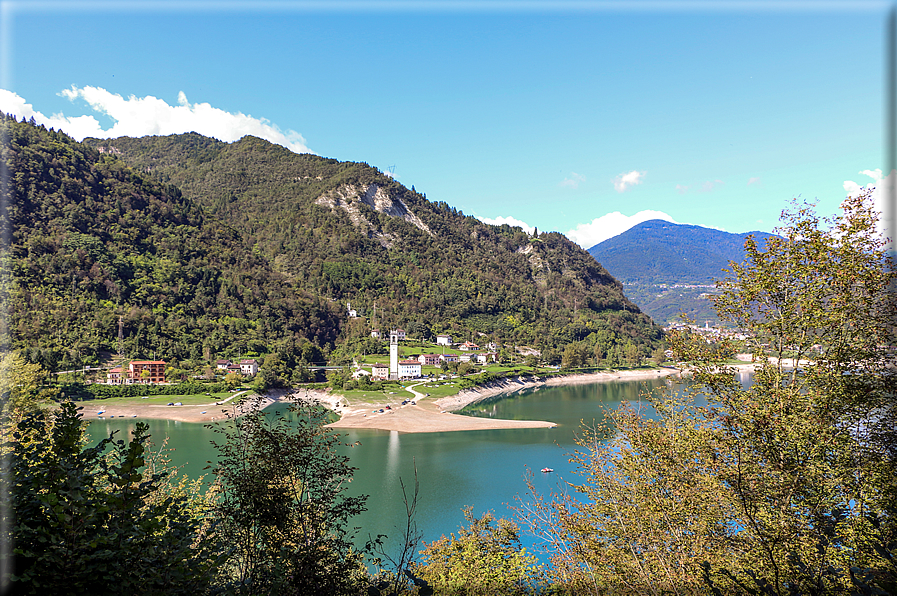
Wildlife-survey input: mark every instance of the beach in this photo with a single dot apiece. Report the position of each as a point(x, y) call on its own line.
point(424, 416)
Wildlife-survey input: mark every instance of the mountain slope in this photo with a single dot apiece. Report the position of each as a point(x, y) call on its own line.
point(349, 233)
point(660, 252)
point(91, 241)
point(654, 255)
point(205, 249)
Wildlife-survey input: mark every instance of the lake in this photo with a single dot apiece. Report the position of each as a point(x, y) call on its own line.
point(484, 469)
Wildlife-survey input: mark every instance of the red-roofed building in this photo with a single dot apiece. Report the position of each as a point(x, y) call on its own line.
point(113, 377)
point(380, 371)
point(429, 359)
point(409, 369)
point(146, 371)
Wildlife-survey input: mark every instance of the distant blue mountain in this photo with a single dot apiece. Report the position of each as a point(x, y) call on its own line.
point(653, 256)
point(660, 252)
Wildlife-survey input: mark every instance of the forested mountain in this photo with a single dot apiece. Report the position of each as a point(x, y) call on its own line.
point(91, 241)
point(213, 249)
point(654, 255)
point(352, 234)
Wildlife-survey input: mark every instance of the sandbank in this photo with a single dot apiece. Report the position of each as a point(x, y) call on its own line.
point(208, 412)
point(426, 416)
point(512, 384)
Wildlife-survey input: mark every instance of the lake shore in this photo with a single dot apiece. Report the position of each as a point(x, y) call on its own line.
point(510, 385)
point(425, 416)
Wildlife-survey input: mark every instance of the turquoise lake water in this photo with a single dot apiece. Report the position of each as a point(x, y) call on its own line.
point(484, 469)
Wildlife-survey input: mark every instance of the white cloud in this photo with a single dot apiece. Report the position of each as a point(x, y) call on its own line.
point(624, 181)
point(681, 188)
point(753, 180)
point(710, 185)
point(141, 116)
point(883, 191)
point(607, 226)
point(573, 180)
point(511, 221)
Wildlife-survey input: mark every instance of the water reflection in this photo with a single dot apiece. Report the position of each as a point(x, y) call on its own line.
point(485, 469)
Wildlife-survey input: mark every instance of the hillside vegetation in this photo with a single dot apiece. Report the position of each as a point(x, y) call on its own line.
point(91, 241)
point(208, 249)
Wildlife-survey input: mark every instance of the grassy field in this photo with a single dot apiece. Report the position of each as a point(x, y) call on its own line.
point(187, 400)
point(392, 392)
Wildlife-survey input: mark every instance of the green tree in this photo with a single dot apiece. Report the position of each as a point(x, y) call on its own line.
point(598, 354)
point(23, 387)
point(485, 558)
point(783, 487)
point(632, 355)
point(572, 357)
point(283, 506)
point(94, 521)
point(233, 380)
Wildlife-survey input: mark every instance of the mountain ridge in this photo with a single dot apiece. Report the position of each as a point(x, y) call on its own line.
point(658, 251)
point(268, 248)
point(669, 269)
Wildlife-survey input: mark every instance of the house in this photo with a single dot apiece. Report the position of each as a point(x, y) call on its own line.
point(401, 334)
point(448, 358)
point(375, 334)
point(486, 357)
point(429, 359)
point(222, 364)
point(249, 367)
point(380, 371)
point(113, 377)
point(409, 369)
point(443, 340)
point(234, 368)
point(468, 357)
point(468, 346)
point(360, 373)
point(146, 371)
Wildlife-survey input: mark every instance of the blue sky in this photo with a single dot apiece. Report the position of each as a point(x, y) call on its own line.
point(554, 116)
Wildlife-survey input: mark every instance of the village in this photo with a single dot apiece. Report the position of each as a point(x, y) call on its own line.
point(152, 372)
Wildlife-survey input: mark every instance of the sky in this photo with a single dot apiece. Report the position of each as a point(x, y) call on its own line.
point(579, 117)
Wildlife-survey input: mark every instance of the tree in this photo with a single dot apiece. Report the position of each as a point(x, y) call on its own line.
point(22, 387)
point(485, 558)
point(598, 353)
point(782, 487)
point(633, 358)
point(94, 521)
point(283, 506)
point(233, 380)
point(572, 357)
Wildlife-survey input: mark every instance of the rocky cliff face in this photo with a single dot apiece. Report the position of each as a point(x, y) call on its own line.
point(349, 196)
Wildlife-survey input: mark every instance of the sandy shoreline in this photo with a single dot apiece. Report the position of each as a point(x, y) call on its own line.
point(425, 416)
point(510, 385)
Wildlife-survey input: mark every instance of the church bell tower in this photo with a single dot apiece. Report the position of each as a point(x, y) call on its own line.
point(393, 355)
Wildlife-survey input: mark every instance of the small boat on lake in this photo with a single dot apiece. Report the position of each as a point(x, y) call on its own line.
point(547, 470)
